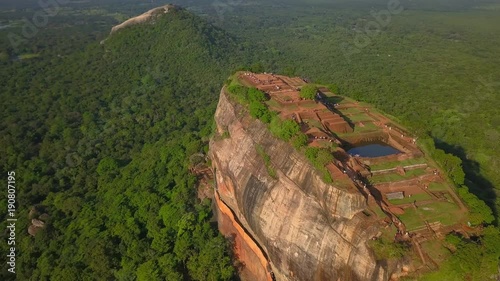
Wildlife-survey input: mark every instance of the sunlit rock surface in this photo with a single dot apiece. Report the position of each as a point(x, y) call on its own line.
point(306, 229)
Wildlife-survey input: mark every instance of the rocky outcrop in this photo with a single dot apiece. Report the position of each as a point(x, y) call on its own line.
point(35, 226)
point(304, 228)
point(147, 16)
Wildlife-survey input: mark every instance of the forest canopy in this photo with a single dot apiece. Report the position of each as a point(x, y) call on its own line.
point(100, 135)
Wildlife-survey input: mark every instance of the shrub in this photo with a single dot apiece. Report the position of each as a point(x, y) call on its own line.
point(319, 158)
point(260, 111)
point(107, 166)
point(324, 157)
point(385, 249)
point(300, 140)
point(254, 98)
point(256, 95)
point(267, 161)
point(284, 130)
point(257, 109)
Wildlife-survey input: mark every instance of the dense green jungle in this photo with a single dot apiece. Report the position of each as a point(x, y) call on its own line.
point(100, 129)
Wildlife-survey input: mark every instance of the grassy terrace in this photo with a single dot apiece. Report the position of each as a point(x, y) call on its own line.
point(416, 197)
point(308, 105)
point(274, 104)
point(444, 212)
point(438, 186)
point(352, 110)
point(334, 98)
point(368, 127)
point(384, 248)
point(394, 177)
point(313, 123)
point(325, 144)
point(379, 212)
point(394, 164)
point(360, 118)
point(435, 250)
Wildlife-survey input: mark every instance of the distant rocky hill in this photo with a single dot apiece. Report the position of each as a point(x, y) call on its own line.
point(147, 16)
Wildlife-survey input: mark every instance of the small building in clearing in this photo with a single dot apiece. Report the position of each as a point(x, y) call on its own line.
point(395, 195)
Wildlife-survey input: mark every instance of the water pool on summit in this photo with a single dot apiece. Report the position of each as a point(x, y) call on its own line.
point(373, 150)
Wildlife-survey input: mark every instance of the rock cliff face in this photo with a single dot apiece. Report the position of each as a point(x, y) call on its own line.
point(292, 226)
point(147, 16)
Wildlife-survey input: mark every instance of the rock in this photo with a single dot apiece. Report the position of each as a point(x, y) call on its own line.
point(37, 223)
point(32, 230)
point(293, 222)
point(44, 217)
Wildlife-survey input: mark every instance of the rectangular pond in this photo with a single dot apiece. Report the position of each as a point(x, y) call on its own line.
point(371, 150)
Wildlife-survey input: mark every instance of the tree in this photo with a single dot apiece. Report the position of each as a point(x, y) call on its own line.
point(168, 265)
point(148, 271)
point(241, 92)
point(334, 88)
point(212, 263)
point(257, 109)
point(107, 166)
point(479, 212)
point(451, 164)
point(260, 111)
point(284, 130)
point(183, 248)
point(324, 157)
point(300, 140)
point(308, 92)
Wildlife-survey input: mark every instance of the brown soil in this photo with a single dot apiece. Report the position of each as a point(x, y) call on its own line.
point(397, 210)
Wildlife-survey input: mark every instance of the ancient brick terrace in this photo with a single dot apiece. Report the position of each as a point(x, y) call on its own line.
point(405, 189)
point(285, 92)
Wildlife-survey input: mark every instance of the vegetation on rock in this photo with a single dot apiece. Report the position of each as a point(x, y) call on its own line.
point(101, 142)
point(308, 92)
